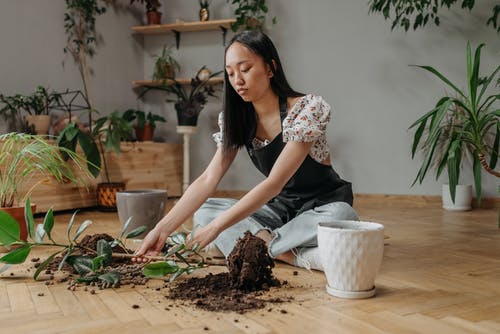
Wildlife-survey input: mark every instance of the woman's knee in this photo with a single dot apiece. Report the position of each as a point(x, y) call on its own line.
point(338, 211)
point(212, 208)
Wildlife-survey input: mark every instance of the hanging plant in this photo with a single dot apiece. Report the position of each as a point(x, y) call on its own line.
point(250, 14)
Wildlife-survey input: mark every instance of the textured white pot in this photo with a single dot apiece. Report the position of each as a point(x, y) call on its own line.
point(463, 198)
point(351, 253)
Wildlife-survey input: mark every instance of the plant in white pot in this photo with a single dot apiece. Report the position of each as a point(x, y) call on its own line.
point(467, 123)
point(23, 159)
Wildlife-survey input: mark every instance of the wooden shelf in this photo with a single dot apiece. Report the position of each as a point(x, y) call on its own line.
point(183, 27)
point(137, 83)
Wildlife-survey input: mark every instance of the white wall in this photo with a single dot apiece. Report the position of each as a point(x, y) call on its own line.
point(332, 48)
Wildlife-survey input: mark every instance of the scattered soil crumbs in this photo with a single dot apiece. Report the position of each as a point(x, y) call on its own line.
point(250, 273)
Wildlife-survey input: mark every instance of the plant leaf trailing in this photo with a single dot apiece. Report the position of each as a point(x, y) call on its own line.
point(91, 269)
point(468, 123)
point(417, 13)
point(250, 14)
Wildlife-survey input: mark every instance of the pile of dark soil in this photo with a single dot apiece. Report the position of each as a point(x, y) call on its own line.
point(250, 273)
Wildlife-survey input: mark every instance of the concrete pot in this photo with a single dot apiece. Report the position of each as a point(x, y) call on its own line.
point(146, 207)
point(463, 198)
point(351, 253)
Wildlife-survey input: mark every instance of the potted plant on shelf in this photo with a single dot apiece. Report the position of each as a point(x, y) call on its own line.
point(109, 131)
point(165, 65)
point(250, 14)
point(145, 124)
point(24, 156)
point(467, 123)
point(189, 102)
point(12, 112)
point(204, 12)
point(152, 13)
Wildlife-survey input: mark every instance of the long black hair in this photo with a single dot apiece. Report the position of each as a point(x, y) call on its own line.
point(240, 120)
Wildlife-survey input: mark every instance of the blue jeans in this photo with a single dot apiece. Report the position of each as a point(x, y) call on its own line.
point(301, 231)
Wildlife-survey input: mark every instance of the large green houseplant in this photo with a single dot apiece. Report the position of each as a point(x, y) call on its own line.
point(250, 14)
point(26, 161)
point(475, 127)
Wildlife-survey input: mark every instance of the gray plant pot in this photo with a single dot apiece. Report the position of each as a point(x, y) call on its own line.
point(145, 206)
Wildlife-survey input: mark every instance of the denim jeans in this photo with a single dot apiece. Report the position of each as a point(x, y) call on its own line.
point(301, 231)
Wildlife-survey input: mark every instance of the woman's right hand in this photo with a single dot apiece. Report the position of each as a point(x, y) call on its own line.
point(151, 245)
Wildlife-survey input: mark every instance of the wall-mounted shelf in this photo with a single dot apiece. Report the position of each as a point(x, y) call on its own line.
point(179, 27)
point(151, 83)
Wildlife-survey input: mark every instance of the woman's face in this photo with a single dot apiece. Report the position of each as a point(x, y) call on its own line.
point(247, 72)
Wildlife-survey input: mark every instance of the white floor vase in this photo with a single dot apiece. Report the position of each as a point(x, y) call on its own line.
point(351, 253)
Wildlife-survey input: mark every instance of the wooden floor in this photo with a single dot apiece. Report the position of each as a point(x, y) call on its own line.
point(440, 274)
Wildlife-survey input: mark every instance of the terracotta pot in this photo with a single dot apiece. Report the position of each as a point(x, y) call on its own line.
point(154, 17)
point(106, 195)
point(17, 213)
point(40, 122)
point(145, 134)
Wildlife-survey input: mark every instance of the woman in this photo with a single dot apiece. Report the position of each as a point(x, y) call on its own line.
point(283, 131)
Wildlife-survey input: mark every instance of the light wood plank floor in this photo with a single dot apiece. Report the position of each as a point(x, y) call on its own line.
point(440, 274)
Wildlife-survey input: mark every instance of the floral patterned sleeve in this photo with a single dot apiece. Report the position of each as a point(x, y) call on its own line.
point(307, 120)
point(218, 136)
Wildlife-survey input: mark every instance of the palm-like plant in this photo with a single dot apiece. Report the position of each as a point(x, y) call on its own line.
point(24, 156)
point(475, 118)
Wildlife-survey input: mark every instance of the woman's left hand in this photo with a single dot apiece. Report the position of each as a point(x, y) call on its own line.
point(203, 236)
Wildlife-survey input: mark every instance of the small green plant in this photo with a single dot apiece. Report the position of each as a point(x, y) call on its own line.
point(475, 118)
point(165, 65)
point(94, 268)
point(24, 156)
point(109, 131)
point(250, 14)
point(142, 118)
point(204, 4)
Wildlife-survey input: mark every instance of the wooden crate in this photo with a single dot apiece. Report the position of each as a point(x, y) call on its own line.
point(140, 165)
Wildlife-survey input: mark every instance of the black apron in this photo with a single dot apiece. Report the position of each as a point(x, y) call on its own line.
point(313, 184)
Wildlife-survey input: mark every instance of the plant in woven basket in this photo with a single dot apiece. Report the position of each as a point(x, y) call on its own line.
point(475, 119)
point(95, 265)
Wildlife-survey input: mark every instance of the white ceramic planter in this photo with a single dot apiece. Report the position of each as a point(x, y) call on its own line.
point(351, 253)
point(463, 198)
point(146, 207)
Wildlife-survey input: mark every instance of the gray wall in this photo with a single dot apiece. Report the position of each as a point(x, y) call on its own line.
point(332, 48)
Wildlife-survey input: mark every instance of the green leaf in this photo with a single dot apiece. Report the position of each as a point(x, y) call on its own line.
point(136, 232)
point(39, 234)
point(104, 249)
point(82, 264)
point(70, 225)
point(177, 274)
point(48, 223)
point(443, 78)
point(87, 279)
point(43, 265)
point(477, 177)
point(112, 277)
point(97, 261)
point(91, 152)
point(125, 226)
point(494, 151)
point(417, 136)
point(81, 229)
point(9, 229)
point(160, 269)
point(178, 238)
point(17, 256)
point(65, 257)
point(28, 216)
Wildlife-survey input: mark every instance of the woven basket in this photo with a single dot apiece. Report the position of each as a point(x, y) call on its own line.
point(106, 195)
